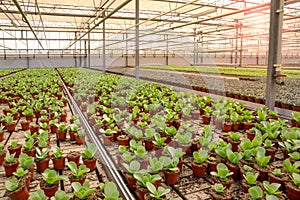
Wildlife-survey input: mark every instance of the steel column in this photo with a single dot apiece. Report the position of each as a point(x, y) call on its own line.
point(137, 39)
point(103, 47)
point(89, 49)
point(274, 57)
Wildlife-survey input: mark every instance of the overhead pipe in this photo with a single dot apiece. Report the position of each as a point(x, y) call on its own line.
point(102, 20)
point(27, 22)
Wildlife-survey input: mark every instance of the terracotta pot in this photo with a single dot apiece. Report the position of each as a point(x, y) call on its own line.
point(263, 173)
point(282, 181)
point(236, 171)
point(11, 127)
point(212, 165)
point(79, 140)
point(158, 150)
point(34, 129)
point(206, 119)
point(148, 145)
point(235, 145)
point(227, 126)
point(49, 191)
point(37, 114)
point(31, 170)
point(80, 180)
point(25, 125)
point(171, 177)
point(131, 181)
point(250, 135)
point(292, 191)
point(63, 117)
point(41, 166)
point(72, 135)
point(61, 136)
point(2, 156)
point(195, 146)
point(123, 140)
point(53, 128)
point(218, 124)
point(73, 156)
point(59, 163)
point(1, 136)
point(245, 186)
point(20, 194)
point(91, 164)
point(16, 150)
point(29, 118)
point(30, 152)
point(141, 192)
point(248, 126)
point(235, 126)
point(271, 152)
point(107, 140)
point(10, 168)
point(199, 170)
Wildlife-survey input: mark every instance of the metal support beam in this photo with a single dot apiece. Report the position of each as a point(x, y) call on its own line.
point(167, 44)
point(126, 50)
point(103, 47)
point(27, 22)
point(89, 50)
point(137, 39)
point(274, 57)
point(241, 47)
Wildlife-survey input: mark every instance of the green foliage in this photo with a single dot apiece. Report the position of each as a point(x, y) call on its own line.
point(158, 193)
point(77, 172)
point(141, 152)
point(156, 165)
point(127, 157)
point(82, 191)
point(149, 133)
point(144, 178)
point(175, 153)
point(51, 178)
point(262, 160)
point(235, 136)
point(133, 167)
point(20, 172)
point(38, 195)
point(25, 161)
point(61, 195)
point(10, 158)
point(295, 155)
point(12, 184)
point(110, 191)
point(234, 157)
point(291, 168)
point(90, 151)
point(272, 189)
point(170, 164)
point(184, 138)
point(296, 179)
point(277, 172)
point(57, 152)
point(200, 156)
point(219, 188)
point(255, 192)
point(222, 172)
point(41, 155)
point(159, 141)
point(251, 178)
point(29, 144)
point(14, 144)
point(296, 116)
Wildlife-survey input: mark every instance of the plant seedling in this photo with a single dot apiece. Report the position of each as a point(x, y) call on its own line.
point(77, 172)
point(222, 172)
point(110, 191)
point(82, 191)
point(219, 188)
point(200, 156)
point(90, 151)
point(133, 167)
point(255, 193)
point(12, 184)
point(61, 195)
point(251, 178)
point(158, 193)
point(272, 189)
point(38, 195)
point(50, 177)
point(57, 152)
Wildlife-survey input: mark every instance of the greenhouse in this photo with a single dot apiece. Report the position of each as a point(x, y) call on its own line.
point(150, 99)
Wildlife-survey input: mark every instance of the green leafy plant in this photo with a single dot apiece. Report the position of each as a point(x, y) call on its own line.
point(272, 188)
point(262, 161)
point(200, 156)
point(57, 152)
point(14, 144)
point(255, 192)
point(133, 167)
point(174, 152)
point(51, 178)
point(159, 141)
point(144, 178)
point(277, 172)
point(38, 195)
point(12, 184)
point(219, 188)
point(149, 133)
point(158, 193)
point(77, 172)
point(234, 157)
point(26, 162)
point(184, 139)
point(61, 195)
point(251, 178)
point(127, 157)
point(82, 191)
point(141, 152)
point(20, 172)
point(90, 151)
point(41, 154)
point(170, 164)
point(10, 158)
point(156, 165)
point(291, 168)
point(222, 172)
point(296, 179)
point(235, 136)
point(295, 155)
point(110, 191)
point(29, 144)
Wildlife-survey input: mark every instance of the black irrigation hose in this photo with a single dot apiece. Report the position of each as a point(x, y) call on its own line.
point(102, 154)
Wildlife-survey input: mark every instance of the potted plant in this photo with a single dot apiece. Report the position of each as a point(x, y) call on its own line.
point(28, 113)
point(249, 180)
point(10, 125)
point(292, 188)
point(222, 175)
point(26, 162)
point(25, 124)
point(58, 158)
point(16, 190)
point(123, 140)
point(53, 125)
point(10, 164)
point(2, 154)
point(62, 132)
point(234, 140)
point(82, 191)
point(80, 137)
point(50, 182)
point(142, 180)
point(149, 134)
point(207, 115)
point(110, 191)
point(276, 176)
point(199, 165)
point(88, 156)
point(184, 142)
point(255, 193)
point(158, 144)
point(23, 176)
point(272, 190)
point(74, 156)
point(171, 171)
point(28, 147)
point(15, 148)
point(61, 195)
point(219, 192)
point(42, 159)
point(78, 174)
point(131, 168)
point(261, 165)
point(157, 193)
point(73, 131)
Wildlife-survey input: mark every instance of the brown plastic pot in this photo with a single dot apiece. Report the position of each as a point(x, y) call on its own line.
point(274, 179)
point(199, 170)
point(2, 156)
point(1, 136)
point(91, 164)
point(72, 135)
point(20, 194)
point(171, 177)
point(141, 192)
point(263, 173)
point(10, 168)
point(149, 145)
point(206, 119)
point(227, 126)
point(10, 127)
point(59, 163)
point(25, 125)
point(123, 140)
point(53, 128)
point(131, 181)
point(79, 140)
point(79, 180)
point(236, 171)
point(107, 139)
point(74, 156)
point(292, 191)
point(61, 135)
point(49, 190)
point(41, 166)
point(30, 152)
point(16, 150)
